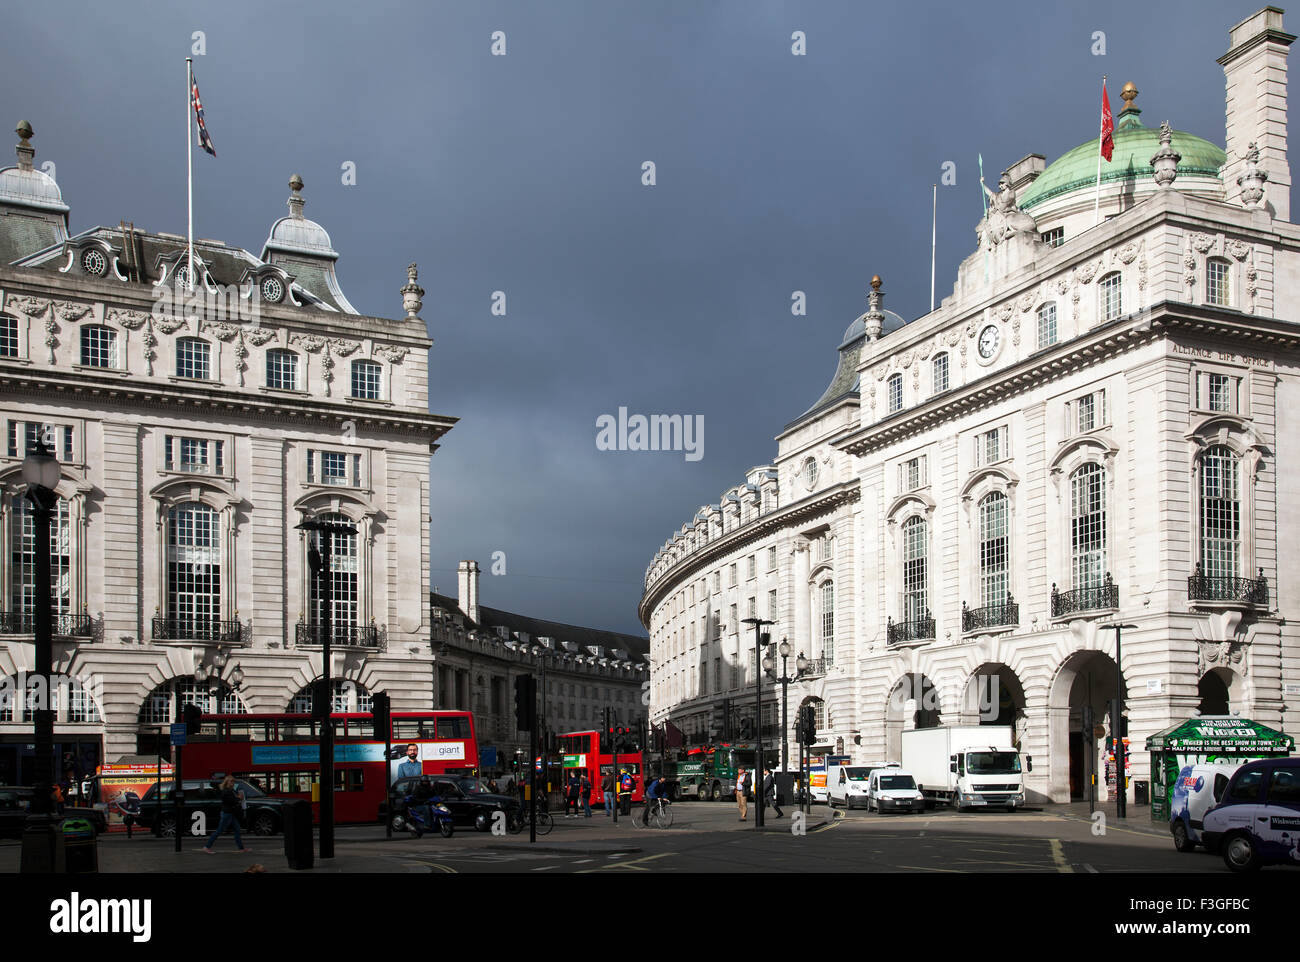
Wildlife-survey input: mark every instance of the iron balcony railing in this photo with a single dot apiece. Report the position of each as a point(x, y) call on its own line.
point(990, 616)
point(1096, 598)
point(198, 629)
point(348, 636)
point(815, 667)
point(919, 629)
point(1251, 591)
point(67, 626)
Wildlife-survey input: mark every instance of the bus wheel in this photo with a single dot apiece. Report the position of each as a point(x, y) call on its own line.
point(264, 824)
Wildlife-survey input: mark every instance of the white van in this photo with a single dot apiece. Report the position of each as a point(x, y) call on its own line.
point(1198, 789)
point(891, 789)
point(847, 785)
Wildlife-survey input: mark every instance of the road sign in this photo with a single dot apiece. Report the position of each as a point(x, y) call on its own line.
point(178, 731)
point(1099, 731)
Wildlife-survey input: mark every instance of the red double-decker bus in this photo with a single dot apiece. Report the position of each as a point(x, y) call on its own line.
point(280, 754)
point(583, 753)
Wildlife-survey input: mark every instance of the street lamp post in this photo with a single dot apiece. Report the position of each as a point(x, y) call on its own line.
point(41, 473)
point(800, 664)
point(319, 558)
point(759, 636)
point(1116, 725)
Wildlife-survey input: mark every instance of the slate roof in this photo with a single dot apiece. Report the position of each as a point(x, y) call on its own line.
point(490, 618)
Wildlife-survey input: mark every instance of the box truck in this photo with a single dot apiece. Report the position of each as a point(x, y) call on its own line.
point(967, 766)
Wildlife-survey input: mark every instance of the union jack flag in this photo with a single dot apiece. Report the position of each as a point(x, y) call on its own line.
point(204, 140)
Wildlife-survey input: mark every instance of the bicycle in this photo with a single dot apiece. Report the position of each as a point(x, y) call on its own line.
point(661, 813)
point(544, 822)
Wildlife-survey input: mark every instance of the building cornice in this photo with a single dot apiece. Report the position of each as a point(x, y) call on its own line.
point(846, 492)
point(1101, 343)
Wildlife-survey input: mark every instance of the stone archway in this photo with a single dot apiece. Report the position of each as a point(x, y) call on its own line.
point(913, 702)
point(993, 695)
point(1084, 679)
point(1222, 692)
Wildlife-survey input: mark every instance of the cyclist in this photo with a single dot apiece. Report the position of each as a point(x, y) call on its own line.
point(654, 795)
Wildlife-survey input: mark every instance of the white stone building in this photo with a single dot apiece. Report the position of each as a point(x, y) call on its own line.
point(1098, 427)
point(190, 447)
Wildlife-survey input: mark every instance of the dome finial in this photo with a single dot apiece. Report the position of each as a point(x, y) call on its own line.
point(875, 282)
point(295, 200)
point(25, 149)
point(1129, 94)
point(874, 319)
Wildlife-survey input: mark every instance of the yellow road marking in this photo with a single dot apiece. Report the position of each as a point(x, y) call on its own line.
point(442, 868)
point(1058, 855)
point(634, 864)
point(922, 868)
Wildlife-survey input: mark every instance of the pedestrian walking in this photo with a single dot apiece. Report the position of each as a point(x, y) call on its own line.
point(584, 789)
point(626, 785)
point(572, 796)
point(607, 790)
point(769, 792)
point(742, 789)
point(231, 804)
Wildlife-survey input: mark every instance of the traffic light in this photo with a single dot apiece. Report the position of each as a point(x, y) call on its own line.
point(806, 731)
point(381, 716)
point(193, 719)
point(320, 699)
point(525, 703)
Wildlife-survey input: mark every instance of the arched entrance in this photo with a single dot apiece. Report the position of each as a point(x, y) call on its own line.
point(1086, 679)
point(1222, 692)
point(913, 702)
point(994, 696)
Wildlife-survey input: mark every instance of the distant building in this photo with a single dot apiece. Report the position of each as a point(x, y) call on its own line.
point(192, 439)
point(1098, 427)
point(481, 651)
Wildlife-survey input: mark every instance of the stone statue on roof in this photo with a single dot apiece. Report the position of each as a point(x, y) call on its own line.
point(1004, 216)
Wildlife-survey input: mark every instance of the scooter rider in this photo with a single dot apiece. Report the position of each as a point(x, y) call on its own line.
point(421, 799)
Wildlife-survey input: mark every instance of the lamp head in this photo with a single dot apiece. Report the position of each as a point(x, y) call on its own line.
point(41, 467)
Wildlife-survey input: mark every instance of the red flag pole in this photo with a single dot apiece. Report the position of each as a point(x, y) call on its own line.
point(1101, 141)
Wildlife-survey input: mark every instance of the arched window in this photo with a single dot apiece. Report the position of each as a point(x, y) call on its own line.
point(163, 705)
point(939, 373)
point(1217, 277)
point(8, 336)
point(343, 576)
point(1088, 526)
point(1109, 299)
point(193, 573)
point(98, 346)
point(69, 699)
point(1220, 514)
point(23, 556)
point(1047, 325)
point(193, 359)
point(895, 393)
point(282, 370)
point(365, 380)
point(828, 622)
point(916, 574)
point(994, 554)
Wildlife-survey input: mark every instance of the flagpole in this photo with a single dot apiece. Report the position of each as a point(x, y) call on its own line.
point(189, 160)
point(1101, 136)
point(934, 217)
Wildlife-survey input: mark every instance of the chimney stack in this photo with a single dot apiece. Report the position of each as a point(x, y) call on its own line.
point(1254, 69)
point(467, 589)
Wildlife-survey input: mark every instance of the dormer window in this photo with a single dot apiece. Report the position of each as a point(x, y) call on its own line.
point(93, 262)
point(272, 289)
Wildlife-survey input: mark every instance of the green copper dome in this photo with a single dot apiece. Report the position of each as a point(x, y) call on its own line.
point(1134, 147)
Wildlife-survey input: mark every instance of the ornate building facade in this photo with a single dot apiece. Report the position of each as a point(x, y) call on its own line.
point(194, 432)
point(1097, 428)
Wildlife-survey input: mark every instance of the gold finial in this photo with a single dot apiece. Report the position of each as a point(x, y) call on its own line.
point(1129, 94)
point(24, 132)
point(875, 282)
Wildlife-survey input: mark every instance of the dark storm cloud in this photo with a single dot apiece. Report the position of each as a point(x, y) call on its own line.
point(523, 174)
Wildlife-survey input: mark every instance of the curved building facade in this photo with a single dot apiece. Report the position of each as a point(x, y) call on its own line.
point(1096, 429)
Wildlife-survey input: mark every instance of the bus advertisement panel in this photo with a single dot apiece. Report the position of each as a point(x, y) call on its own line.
point(118, 787)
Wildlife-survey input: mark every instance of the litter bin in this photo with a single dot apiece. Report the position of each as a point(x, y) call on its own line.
point(1141, 793)
point(75, 849)
point(784, 787)
point(297, 834)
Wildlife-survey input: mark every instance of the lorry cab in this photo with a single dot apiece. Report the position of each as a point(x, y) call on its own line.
point(1197, 789)
point(891, 789)
point(1258, 821)
point(847, 785)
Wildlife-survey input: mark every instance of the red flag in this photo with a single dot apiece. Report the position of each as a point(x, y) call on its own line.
point(1107, 125)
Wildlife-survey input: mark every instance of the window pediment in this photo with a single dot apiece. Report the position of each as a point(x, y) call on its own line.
point(1231, 430)
point(211, 491)
point(984, 480)
point(351, 506)
point(1094, 446)
point(909, 504)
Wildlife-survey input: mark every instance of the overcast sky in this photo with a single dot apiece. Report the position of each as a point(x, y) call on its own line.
point(523, 174)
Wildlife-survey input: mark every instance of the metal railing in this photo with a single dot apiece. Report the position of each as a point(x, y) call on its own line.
point(1096, 598)
point(350, 636)
point(919, 629)
point(815, 668)
point(198, 629)
point(1251, 591)
point(990, 616)
point(67, 626)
